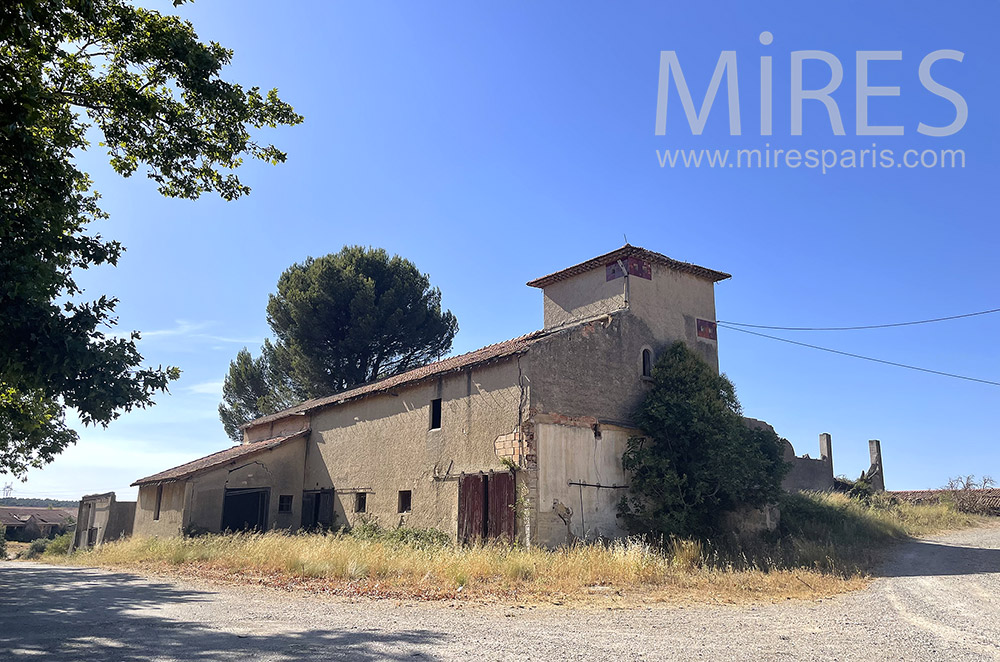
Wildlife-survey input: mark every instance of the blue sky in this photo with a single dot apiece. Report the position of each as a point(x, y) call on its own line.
point(494, 142)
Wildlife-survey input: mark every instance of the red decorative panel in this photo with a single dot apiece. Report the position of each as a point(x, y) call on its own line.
point(636, 267)
point(707, 329)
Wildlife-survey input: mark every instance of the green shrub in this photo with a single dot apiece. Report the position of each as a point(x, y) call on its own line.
point(369, 529)
point(699, 458)
point(37, 548)
point(59, 546)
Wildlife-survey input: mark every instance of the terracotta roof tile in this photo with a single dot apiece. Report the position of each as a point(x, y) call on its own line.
point(629, 250)
point(218, 459)
point(486, 354)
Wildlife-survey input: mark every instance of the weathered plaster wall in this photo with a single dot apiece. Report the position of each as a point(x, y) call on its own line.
point(279, 470)
point(806, 473)
point(574, 452)
point(198, 501)
point(285, 426)
point(586, 295)
point(593, 369)
point(581, 377)
point(171, 521)
point(108, 518)
point(382, 444)
point(671, 303)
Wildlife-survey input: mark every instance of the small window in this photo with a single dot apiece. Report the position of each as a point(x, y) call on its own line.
point(405, 500)
point(159, 502)
point(361, 502)
point(647, 363)
point(285, 503)
point(435, 414)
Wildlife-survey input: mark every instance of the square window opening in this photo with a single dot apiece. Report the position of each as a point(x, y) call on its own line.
point(361, 502)
point(285, 503)
point(405, 501)
point(436, 414)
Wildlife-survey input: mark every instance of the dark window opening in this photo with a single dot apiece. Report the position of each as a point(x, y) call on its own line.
point(360, 502)
point(647, 363)
point(159, 502)
point(436, 414)
point(285, 503)
point(405, 499)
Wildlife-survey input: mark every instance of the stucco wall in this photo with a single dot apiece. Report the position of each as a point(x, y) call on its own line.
point(198, 501)
point(382, 444)
point(593, 369)
point(585, 295)
point(671, 303)
point(279, 470)
point(806, 473)
point(171, 521)
point(577, 454)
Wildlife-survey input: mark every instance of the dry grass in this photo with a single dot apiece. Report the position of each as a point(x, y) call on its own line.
point(826, 549)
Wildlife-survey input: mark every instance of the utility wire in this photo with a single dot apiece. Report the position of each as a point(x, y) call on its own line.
point(859, 356)
point(857, 328)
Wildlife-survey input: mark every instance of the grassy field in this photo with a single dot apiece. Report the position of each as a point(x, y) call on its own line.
point(827, 544)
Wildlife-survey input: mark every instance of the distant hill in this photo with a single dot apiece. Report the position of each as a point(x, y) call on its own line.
point(37, 503)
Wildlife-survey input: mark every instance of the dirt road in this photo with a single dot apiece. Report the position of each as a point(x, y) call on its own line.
point(938, 599)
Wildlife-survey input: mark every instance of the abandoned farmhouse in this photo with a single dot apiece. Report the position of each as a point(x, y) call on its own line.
point(522, 439)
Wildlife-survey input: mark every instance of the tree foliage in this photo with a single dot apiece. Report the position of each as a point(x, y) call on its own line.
point(698, 459)
point(339, 321)
point(253, 388)
point(152, 92)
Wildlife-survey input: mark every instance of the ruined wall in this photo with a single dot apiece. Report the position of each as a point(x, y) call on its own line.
point(382, 444)
point(101, 518)
point(808, 473)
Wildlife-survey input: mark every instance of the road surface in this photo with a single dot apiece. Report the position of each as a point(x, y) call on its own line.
point(938, 599)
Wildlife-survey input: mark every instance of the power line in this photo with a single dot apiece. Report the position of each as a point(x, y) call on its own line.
point(866, 358)
point(858, 328)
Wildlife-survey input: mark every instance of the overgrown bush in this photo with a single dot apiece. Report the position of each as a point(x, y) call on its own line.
point(699, 458)
point(59, 546)
point(369, 529)
point(37, 548)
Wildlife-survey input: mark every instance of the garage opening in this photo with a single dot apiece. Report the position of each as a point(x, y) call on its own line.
point(245, 510)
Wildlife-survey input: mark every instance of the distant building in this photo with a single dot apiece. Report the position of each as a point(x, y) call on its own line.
point(27, 524)
point(100, 519)
point(521, 439)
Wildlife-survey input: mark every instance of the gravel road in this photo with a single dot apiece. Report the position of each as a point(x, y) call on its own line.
point(938, 599)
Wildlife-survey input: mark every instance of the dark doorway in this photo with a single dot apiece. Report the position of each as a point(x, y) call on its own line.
point(245, 510)
point(317, 509)
point(486, 507)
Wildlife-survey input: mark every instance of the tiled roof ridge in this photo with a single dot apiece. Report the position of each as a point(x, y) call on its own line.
point(217, 458)
point(434, 369)
point(626, 251)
